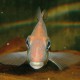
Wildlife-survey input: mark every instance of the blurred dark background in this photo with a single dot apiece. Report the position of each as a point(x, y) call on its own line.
point(18, 18)
point(23, 9)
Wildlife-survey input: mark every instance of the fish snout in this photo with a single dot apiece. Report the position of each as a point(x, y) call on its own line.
point(36, 65)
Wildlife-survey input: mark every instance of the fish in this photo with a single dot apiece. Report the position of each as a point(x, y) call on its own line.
point(38, 54)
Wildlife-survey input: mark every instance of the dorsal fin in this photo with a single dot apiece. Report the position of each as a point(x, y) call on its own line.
point(40, 14)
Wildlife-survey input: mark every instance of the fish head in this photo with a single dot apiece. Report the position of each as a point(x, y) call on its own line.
point(37, 51)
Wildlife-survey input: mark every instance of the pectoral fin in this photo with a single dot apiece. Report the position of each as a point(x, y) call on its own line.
point(63, 60)
point(16, 58)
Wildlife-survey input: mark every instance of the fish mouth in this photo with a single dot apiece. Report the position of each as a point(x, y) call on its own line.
point(36, 65)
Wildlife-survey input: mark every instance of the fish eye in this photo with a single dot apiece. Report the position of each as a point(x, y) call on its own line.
point(48, 45)
point(27, 42)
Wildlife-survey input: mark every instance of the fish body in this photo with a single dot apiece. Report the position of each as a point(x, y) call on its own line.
point(37, 42)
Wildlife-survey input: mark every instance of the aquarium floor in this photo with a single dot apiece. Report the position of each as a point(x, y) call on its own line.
point(48, 72)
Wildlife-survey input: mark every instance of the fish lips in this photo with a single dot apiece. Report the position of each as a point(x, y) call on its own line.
point(36, 65)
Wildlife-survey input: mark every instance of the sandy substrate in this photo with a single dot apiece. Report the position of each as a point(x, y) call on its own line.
point(48, 72)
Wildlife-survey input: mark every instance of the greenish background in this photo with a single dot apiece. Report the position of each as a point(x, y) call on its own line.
point(65, 35)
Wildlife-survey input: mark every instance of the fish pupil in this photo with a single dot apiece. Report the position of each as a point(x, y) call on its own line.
point(27, 43)
point(48, 45)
